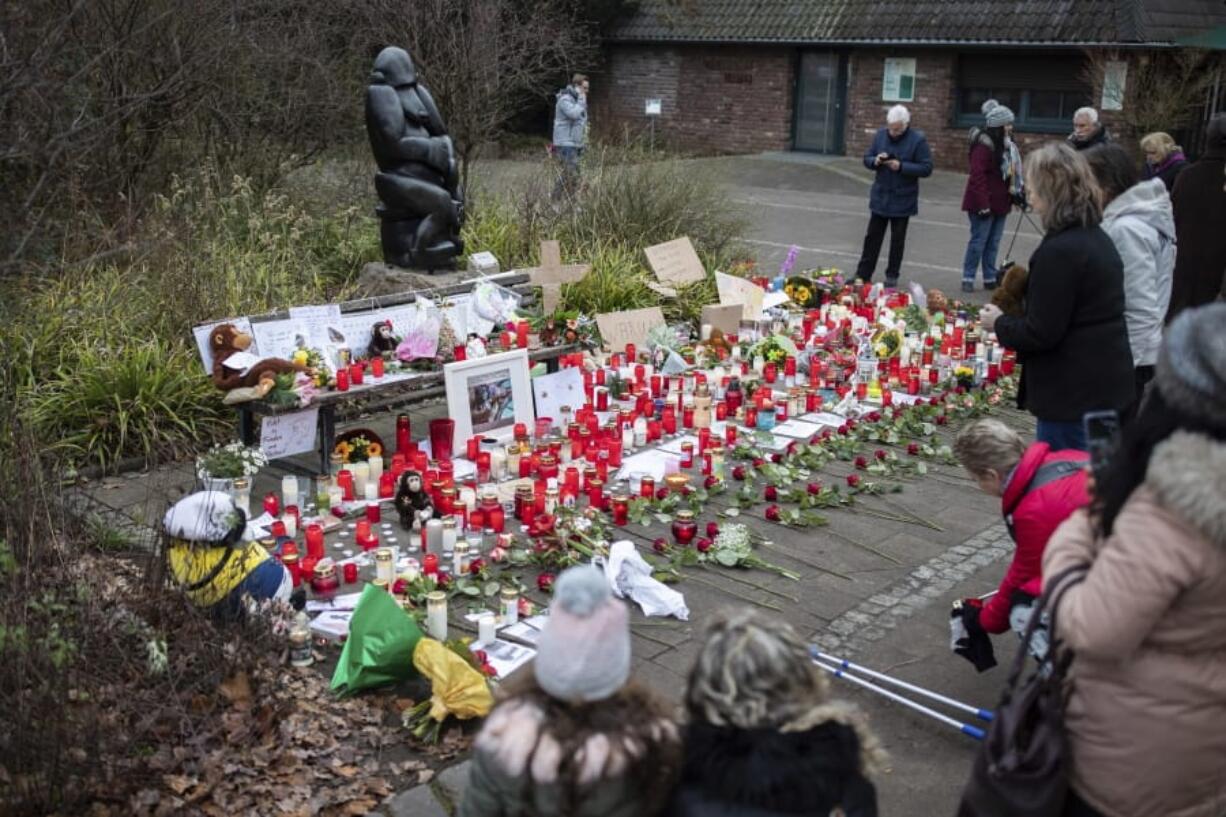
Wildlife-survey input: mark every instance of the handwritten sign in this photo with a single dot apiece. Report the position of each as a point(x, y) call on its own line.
point(619, 328)
point(724, 317)
point(734, 290)
point(553, 391)
point(283, 435)
point(676, 262)
point(280, 338)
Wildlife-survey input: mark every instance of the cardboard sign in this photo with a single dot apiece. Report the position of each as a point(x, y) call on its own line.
point(734, 290)
point(283, 435)
point(724, 317)
point(676, 262)
point(619, 328)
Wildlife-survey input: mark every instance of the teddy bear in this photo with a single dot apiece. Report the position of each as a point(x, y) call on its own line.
point(226, 340)
point(1010, 295)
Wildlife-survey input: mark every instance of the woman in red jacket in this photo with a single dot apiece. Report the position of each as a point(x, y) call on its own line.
point(987, 201)
point(1039, 488)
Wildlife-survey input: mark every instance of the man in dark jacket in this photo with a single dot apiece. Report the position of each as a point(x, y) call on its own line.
point(1087, 130)
point(1199, 199)
point(901, 157)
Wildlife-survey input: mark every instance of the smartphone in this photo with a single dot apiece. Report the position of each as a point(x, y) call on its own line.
point(1101, 432)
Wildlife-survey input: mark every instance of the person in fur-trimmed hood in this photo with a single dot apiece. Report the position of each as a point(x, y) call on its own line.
point(764, 739)
point(574, 736)
point(1147, 713)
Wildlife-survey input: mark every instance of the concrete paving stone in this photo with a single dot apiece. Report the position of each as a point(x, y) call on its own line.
point(670, 685)
point(646, 648)
point(453, 781)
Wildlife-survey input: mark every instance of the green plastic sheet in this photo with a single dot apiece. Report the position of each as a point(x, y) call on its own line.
point(379, 650)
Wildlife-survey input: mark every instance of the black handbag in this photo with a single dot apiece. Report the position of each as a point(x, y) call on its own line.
point(1022, 767)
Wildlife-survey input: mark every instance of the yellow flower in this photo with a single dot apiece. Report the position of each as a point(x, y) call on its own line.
point(455, 687)
point(344, 449)
point(374, 450)
point(301, 357)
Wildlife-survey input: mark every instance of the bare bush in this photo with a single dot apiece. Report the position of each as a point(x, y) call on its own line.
point(1163, 90)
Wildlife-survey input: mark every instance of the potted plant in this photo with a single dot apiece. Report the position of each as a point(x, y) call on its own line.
point(223, 464)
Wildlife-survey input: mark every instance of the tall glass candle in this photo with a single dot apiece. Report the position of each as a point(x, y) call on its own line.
point(436, 615)
point(289, 490)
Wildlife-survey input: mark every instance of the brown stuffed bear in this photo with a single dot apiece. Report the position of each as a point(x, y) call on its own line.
point(224, 340)
point(1011, 293)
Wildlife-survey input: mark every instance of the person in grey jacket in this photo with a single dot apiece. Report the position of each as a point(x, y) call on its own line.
point(570, 132)
point(1138, 217)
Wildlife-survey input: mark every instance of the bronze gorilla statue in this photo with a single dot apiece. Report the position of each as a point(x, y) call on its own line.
point(422, 208)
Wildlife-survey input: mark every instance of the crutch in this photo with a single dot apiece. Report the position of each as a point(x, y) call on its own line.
point(965, 728)
point(843, 663)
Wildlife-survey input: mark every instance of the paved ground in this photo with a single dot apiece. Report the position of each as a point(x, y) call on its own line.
point(890, 609)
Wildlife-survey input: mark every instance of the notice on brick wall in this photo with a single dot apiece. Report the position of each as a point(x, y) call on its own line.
point(619, 328)
point(898, 79)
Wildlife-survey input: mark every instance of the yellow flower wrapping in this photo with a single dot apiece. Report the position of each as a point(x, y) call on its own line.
point(456, 688)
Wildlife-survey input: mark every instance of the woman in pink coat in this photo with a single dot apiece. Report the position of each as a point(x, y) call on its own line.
point(1147, 710)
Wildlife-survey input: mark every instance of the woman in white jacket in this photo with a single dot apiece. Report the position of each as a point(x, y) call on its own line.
point(1137, 215)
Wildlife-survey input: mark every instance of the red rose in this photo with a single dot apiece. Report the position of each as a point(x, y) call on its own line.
point(544, 582)
point(476, 566)
point(853, 480)
point(758, 462)
point(710, 482)
point(662, 493)
point(400, 587)
point(815, 488)
point(482, 656)
point(827, 433)
point(738, 473)
point(770, 494)
point(879, 454)
point(851, 424)
point(793, 446)
point(861, 463)
point(660, 544)
point(913, 448)
point(704, 545)
point(444, 580)
point(712, 529)
point(489, 670)
point(773, 513)
point(874, 417)
point(942, 420)
point(776, 458)
point(816, 439)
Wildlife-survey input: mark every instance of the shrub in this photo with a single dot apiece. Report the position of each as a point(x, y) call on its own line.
point(147, 398)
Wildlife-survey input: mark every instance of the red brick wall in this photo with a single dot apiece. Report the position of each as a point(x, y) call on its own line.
point(718, 99)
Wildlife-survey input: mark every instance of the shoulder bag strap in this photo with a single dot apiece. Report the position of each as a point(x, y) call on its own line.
point(1053, 592)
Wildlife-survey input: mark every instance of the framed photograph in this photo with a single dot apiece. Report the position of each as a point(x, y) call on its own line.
point(489, 395)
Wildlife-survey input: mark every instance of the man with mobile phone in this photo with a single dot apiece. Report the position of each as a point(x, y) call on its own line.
point(901, 157)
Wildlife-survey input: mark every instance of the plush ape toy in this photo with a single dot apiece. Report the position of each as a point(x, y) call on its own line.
point(382, 340)
point(1011, 294)
point(225, 340)
point(413, 502)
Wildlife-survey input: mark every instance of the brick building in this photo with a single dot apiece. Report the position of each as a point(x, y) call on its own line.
point(744, 76)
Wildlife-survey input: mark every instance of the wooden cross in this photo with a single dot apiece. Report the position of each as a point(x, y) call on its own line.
point(552, 273)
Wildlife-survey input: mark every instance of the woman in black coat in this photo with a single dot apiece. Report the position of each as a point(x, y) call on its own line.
point(764, 739)
point(1072, 340)
point(1199, 199)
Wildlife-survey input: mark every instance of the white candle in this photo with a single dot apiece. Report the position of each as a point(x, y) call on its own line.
point(291, 524)
point(468, 497)
point(289, 491)
point(335, 496)
point(376, 469)
point(361, 472)
point(372, 492)
point(486, 632)
point(436, 615)
point(434, 535)
point(498, 464)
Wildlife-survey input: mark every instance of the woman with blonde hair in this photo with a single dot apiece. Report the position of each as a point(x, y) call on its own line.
point(1163, 158)
point(1072, 339)
point(764, 737)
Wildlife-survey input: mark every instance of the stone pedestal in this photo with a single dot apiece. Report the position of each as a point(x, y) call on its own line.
point(379, 278)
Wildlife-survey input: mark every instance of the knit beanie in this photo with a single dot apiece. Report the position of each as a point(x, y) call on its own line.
point(584, 652)
point(996, 115)
point(1191, 369)
point(205, 517)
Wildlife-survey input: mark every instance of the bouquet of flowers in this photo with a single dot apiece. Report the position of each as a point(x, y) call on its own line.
point(887, 343)
point(358, 448)
point(774, 349)
point(458, 687)
point(230, 461)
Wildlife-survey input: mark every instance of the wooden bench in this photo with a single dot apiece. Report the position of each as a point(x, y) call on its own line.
point(393, 391)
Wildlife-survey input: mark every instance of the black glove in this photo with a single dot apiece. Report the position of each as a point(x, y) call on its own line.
point(967, 637)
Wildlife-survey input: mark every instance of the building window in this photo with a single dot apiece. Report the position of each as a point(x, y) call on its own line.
point(1042, 92)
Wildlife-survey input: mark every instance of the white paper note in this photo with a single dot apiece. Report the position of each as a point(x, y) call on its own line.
point(283, 435)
